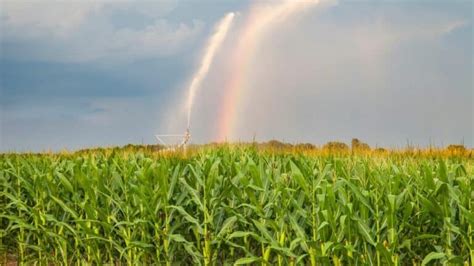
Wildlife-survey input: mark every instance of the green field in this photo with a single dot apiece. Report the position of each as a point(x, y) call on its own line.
point(236, 205)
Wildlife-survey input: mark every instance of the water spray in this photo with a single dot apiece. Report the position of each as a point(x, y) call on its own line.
point(215, 41)
point(213, 45)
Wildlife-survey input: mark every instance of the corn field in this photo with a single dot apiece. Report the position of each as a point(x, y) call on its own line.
point(231, 206)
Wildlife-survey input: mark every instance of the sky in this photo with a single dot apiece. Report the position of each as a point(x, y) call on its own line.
point(77, 74)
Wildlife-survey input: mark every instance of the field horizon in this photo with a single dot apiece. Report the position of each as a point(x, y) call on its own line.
point(355, 145)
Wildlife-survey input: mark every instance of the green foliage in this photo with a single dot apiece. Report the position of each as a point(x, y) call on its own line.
point(235, 206)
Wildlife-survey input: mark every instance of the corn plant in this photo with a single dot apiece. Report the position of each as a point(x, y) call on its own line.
point(236, 205)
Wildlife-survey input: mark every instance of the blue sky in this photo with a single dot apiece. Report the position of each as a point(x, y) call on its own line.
point(78, 74)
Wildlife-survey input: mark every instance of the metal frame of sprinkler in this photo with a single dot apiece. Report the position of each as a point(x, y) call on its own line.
point(183, 144)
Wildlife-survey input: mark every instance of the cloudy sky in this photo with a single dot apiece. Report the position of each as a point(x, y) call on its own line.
point(77, 74)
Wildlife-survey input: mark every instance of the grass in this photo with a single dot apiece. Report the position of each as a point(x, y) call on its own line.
point(238, 205)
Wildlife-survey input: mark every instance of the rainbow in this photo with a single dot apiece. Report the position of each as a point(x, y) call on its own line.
point(260, 20)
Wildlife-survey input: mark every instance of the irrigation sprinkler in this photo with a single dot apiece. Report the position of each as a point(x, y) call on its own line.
point(183, 144)
point(213, 45)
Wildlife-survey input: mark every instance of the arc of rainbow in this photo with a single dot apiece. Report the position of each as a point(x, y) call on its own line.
point(260, 20)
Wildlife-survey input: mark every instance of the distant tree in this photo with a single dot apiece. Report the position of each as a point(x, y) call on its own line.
point(129, 147)
point(380, 149)
point(359, 145)
point(336, 146)
point(305, 146)
point(456, 148)
point(275, 144)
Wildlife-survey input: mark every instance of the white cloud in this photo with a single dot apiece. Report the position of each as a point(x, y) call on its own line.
point(32, 18)
point(147, 8)
point(161, 38)
point(83, 31)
